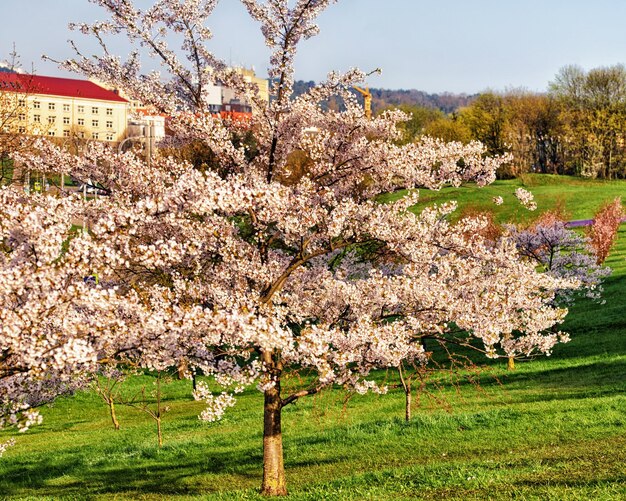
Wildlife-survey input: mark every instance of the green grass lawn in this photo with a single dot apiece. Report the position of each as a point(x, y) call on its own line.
point(553, 429)
point(580, 197)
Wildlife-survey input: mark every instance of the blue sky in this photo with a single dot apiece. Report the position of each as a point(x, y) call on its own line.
point(436, 46)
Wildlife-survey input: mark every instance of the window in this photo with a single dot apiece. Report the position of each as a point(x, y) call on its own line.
point(66, 108)
point(80, 109)
point(36, 105)
point(81, 134)
point(51, 106)
point(94, 123)
point(109, 124)
point(51, 133)
point(37, 118)
point(21, 116)
point(94, 135)
point(109, 137)
point(109, 111)
point(21, 102)
point(52, 119)
point(66, 120)
point(94, 110)
point(66, 133)
point(22, 130)
point(81, 121)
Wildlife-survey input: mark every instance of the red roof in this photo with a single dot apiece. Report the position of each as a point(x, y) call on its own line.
point(53, 86)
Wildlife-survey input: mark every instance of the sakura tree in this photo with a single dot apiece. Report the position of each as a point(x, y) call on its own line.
point(255, 270)
point(604, 229)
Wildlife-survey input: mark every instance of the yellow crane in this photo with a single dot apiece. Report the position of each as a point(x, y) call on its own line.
point(367, 98)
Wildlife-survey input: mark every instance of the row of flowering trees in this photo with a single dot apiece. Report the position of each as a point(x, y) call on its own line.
point(234, 271)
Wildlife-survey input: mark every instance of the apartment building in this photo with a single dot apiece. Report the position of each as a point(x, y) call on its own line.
point(250, 76)
point(63, 107)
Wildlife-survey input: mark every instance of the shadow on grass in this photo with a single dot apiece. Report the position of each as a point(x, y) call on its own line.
point(573, 471)
point(197, 471)
point(193, 473)
point(600, 376)
point(606, 480)
point(583, 380)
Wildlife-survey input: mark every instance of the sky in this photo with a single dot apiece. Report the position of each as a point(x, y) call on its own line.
point(460, 46)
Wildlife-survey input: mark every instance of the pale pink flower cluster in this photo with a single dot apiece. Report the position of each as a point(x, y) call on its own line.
point(364, 387)
point(526, 198)
point(216, 404)
point(498, 200)
point(43, 304)
point(5, 445)
point(30, 417)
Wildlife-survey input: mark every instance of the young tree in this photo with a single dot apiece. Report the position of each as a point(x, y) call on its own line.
point(238, 273)
point(604, 229)
point(561, 253)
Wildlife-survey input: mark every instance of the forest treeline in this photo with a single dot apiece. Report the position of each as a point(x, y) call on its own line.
point(578, 127)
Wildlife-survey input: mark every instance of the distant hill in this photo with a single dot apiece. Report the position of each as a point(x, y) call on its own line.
point(384, 98)
point(446, 102)
point(5, 68)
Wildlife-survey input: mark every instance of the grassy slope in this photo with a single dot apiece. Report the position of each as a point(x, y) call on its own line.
point(553, 429)
point(580, 197)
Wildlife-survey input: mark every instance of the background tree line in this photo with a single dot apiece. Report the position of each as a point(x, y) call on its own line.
point(578, 127)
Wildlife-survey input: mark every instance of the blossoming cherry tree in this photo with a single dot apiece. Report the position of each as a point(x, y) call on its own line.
point(254, 270)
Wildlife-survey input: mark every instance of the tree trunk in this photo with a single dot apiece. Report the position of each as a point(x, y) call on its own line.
point(182, 369)
point(116, 423)
point(407, 408)
point(159, 432)
point(406, 386)
point(158, 412)
point(511, 364)
point(274, 482)
point(18, 174)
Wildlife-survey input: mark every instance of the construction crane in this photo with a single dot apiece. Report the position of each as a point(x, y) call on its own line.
point(367, 98)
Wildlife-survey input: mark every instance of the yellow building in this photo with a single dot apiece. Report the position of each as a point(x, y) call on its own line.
point(250, 76)
point(63, 107)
